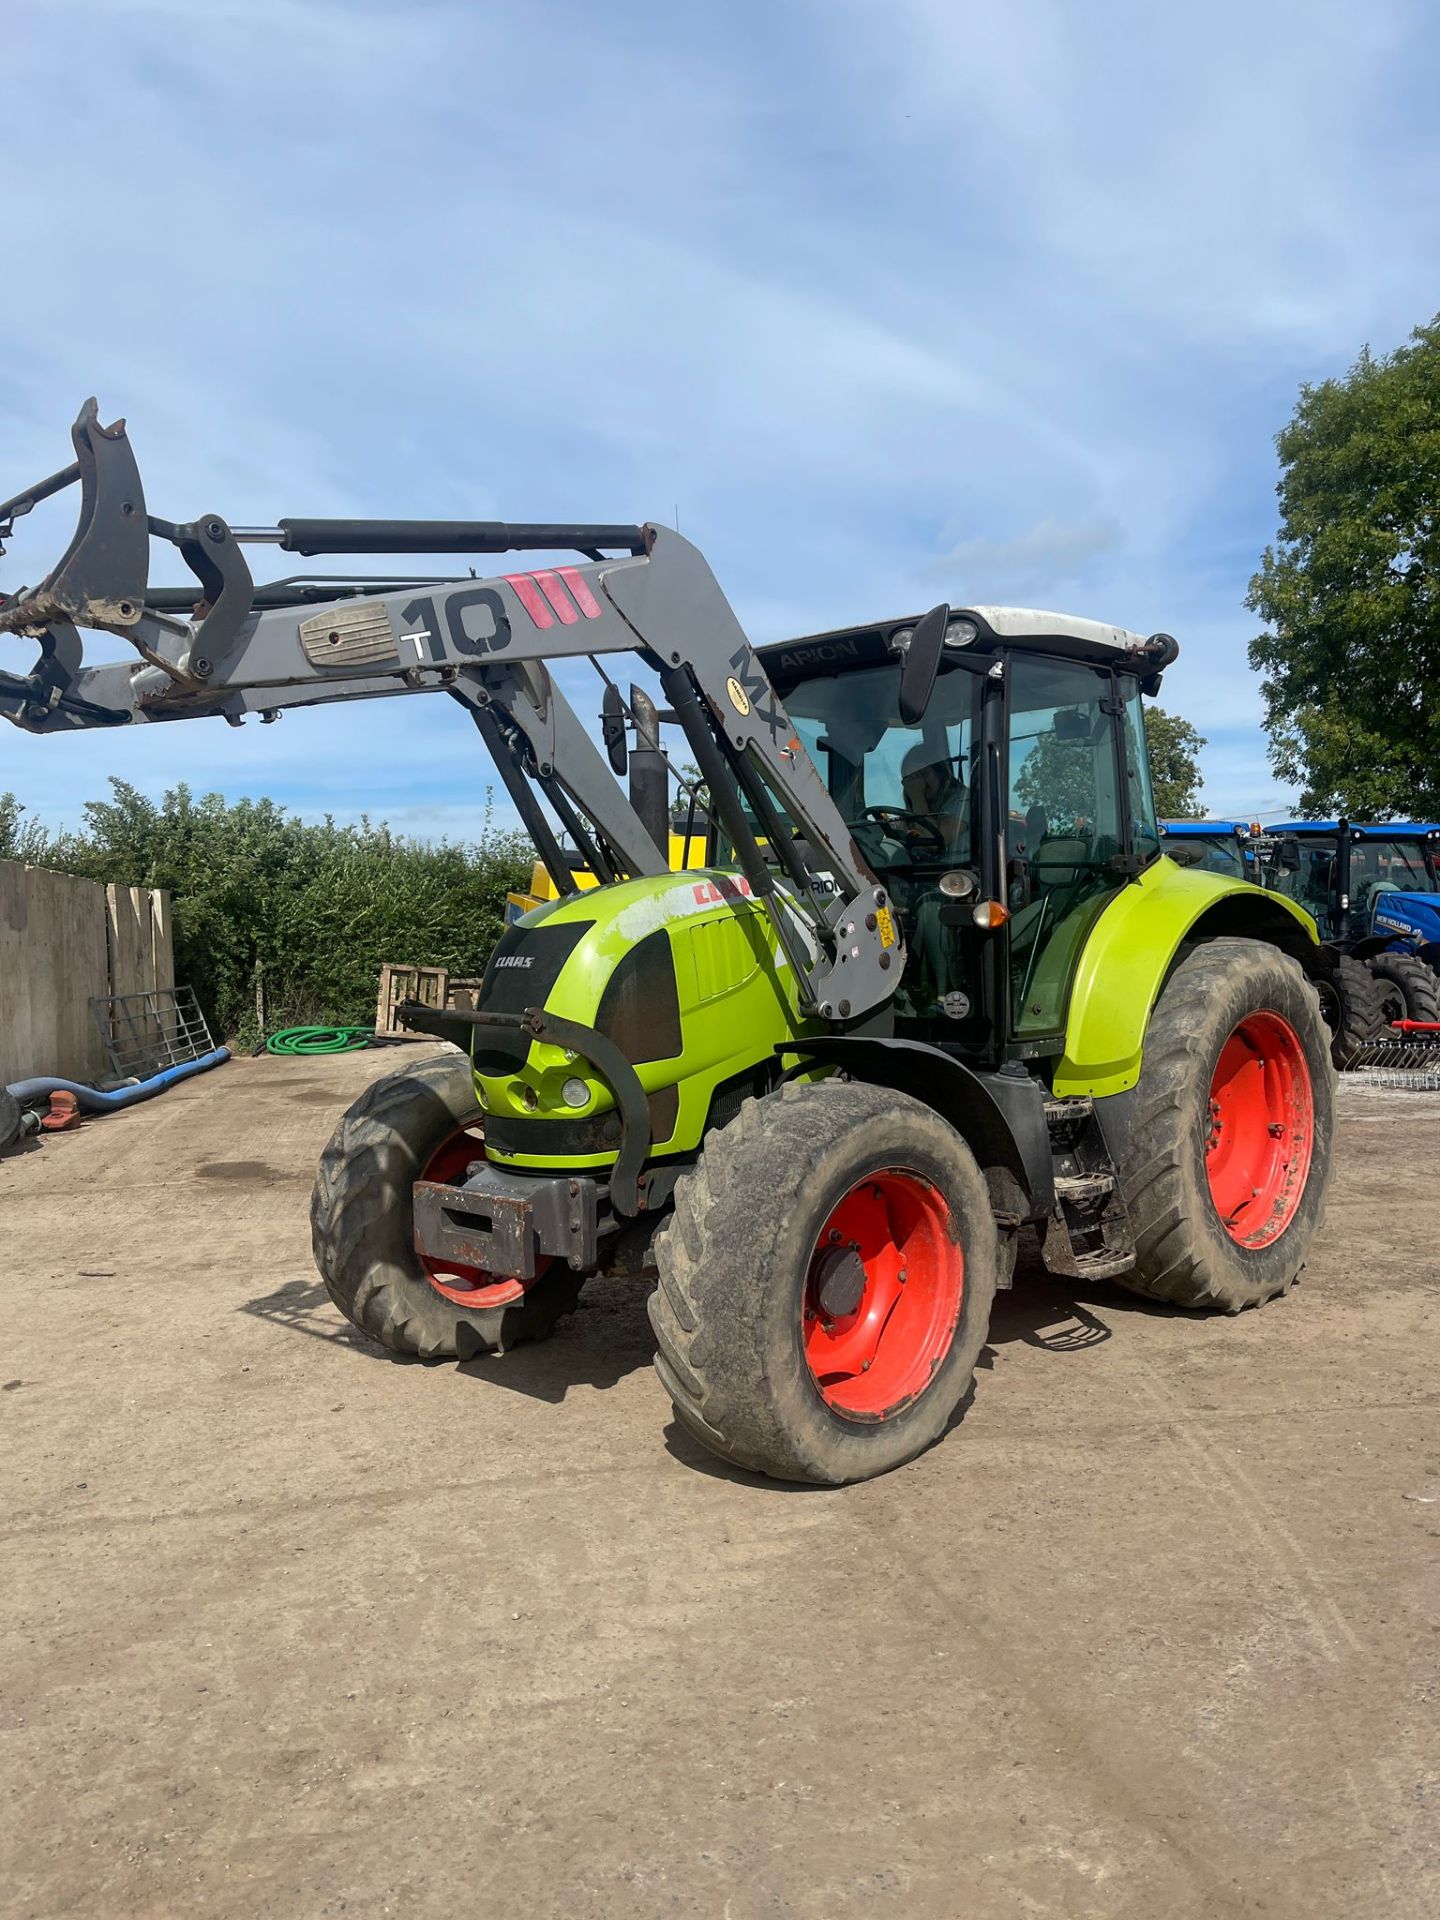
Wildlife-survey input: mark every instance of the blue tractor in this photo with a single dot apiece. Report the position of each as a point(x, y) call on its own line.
point(1374, 892)
point(1215, 846)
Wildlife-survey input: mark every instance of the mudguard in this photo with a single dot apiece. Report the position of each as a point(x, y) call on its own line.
point(1001, 1116)
point(1132, 949)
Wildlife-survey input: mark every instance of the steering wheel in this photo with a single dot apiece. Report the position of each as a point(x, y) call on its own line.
point(908, 827)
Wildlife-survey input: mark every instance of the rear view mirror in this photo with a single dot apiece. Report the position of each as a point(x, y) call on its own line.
point(922, 663)
point(1289, 853)
point(612, 728)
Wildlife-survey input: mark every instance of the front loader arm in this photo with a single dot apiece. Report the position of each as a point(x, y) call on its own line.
point(245, 650)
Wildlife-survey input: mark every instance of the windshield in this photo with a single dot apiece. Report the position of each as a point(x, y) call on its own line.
point(1211, 852)
point(1377, 865)
point(904, 791)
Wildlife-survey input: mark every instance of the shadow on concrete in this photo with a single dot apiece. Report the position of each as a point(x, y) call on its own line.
point(1058, 1316)
point(32, 1143)
point(606, 1339)
point(305, 1307)
point(609, 1338)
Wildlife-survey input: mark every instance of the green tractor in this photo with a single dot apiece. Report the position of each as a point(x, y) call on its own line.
point(939, 984)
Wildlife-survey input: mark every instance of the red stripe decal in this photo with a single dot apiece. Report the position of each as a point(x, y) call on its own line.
point(579, 586)
point(528, 594)
point(558, 598)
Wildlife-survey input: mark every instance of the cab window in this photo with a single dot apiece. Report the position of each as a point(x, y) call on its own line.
point(1064, 827)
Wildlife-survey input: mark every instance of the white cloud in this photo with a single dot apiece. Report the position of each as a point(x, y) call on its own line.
point(1041, 561)
point(1027, 287)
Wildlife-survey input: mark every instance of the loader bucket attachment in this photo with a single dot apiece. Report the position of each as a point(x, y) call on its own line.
point(100, 579)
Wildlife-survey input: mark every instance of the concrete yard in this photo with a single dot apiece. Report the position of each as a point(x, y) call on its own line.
point(291, 1628)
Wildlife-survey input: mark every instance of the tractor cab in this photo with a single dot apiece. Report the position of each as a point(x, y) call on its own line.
point(1003, 818)
point(1342, 873)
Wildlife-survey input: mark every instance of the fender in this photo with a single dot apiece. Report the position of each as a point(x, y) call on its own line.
point(1000, 1116)
point(1134, 947)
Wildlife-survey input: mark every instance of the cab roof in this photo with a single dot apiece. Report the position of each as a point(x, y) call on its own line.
point(1066, 634)
point(1204, 829)
point(1374, 830)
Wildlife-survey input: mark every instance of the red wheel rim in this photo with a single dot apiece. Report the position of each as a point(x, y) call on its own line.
point(1261, 1130)
point(468, 1286)
point(883, 1291)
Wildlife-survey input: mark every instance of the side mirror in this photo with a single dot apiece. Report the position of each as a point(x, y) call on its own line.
point(1288, 853)
point(922, 663)
point(612, 729)
point(1072, 724)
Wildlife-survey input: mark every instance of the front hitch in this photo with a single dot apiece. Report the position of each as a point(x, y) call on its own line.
point(630, 1189)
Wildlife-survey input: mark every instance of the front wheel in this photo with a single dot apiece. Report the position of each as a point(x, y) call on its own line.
point(1226, 1160)
point(825, 1283)
point(417, 1124)
point(1353, 1006)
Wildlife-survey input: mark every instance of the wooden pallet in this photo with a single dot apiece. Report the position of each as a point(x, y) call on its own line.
point(432, 986)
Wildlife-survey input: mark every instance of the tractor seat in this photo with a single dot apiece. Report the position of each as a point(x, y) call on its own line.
point(1051, 858)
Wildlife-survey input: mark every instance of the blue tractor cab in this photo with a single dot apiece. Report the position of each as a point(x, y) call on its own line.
point(1215, 846)
point(1374, 892)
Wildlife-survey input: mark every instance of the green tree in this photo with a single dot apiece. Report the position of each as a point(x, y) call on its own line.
point(313, 910)
point(1174, 747)
point(1350, 592)
point(22, 837)
point(1058, 775)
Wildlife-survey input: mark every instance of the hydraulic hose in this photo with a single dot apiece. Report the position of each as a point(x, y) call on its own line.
point(91, 1100)
point(306, 1040)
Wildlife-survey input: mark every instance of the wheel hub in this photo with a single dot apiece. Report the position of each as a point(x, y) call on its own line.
point(840, 1281)
point(1260, 1129)
point(883, 1293)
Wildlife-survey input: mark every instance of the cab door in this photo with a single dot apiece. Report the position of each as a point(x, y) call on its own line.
point(1079, 824)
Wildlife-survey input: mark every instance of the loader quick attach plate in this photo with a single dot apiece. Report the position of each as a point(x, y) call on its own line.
point(503, 1223)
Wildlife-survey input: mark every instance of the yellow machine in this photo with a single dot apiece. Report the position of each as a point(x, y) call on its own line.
point(543, 888)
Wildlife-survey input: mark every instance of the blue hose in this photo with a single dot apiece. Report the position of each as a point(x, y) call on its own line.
point(91, 1100)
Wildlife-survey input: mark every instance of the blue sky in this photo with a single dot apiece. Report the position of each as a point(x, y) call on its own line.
point(892, 302)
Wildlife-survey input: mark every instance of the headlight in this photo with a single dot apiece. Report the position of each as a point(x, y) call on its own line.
point(575, 1093)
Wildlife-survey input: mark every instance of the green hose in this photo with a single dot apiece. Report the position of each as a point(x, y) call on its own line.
point(319, 1040)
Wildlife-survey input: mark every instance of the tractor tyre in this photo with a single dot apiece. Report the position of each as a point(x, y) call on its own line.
point(1409, 990)
point(826, 1280)
point(1227, 1158)
point(409, 1126)
point(1353, 1003)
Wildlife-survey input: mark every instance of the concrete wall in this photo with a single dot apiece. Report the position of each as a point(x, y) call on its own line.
point(64, 942)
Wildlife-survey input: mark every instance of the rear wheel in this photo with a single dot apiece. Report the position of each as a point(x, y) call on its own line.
point(1409, 990)
point(825, 1283)
point(1228, 1155)
point(417, 1125)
